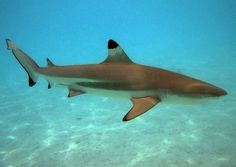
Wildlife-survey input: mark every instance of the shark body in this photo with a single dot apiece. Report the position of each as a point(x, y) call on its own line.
point(119, 76)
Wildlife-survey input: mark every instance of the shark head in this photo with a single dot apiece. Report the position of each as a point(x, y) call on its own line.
point(205, 89)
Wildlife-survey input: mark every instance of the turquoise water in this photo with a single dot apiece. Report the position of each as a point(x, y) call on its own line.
point(43, 128)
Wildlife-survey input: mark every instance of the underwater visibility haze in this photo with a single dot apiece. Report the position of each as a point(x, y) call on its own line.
point(43, 127)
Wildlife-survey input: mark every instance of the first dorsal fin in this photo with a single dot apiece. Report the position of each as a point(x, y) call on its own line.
point(50, 62)
point(116, 54)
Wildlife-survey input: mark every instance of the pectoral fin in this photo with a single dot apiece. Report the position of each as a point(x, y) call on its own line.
point(140, 106)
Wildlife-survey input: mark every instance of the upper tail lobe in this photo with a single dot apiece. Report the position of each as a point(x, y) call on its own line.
point(26, 62)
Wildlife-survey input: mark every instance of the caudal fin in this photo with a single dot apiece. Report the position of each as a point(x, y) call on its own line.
point(26, 62)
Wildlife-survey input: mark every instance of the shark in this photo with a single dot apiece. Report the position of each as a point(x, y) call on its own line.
point(118, 76)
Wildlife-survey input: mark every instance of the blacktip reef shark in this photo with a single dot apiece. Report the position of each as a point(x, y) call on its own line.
point(119, 76)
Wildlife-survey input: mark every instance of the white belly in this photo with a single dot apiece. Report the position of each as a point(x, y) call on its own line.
point(165, 96)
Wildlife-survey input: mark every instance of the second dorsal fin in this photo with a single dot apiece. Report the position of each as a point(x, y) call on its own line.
point(116, 54)
point(49, 62)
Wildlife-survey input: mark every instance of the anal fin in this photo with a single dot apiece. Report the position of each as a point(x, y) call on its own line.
point(73, 93)
point(140, 106)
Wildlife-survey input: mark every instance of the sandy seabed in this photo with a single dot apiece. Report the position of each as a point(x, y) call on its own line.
point(40, 127)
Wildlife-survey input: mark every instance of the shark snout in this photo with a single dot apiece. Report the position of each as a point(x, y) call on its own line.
point(215, 91)
point(207, 89)
point(219, 92)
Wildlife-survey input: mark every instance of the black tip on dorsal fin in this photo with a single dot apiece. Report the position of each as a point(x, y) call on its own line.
point(112, 44)
point(49, 62)
point(116, 54)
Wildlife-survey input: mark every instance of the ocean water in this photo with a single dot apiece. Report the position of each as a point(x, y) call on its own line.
point(44, 128)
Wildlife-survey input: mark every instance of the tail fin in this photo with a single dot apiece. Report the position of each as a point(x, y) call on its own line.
point(26, 62)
